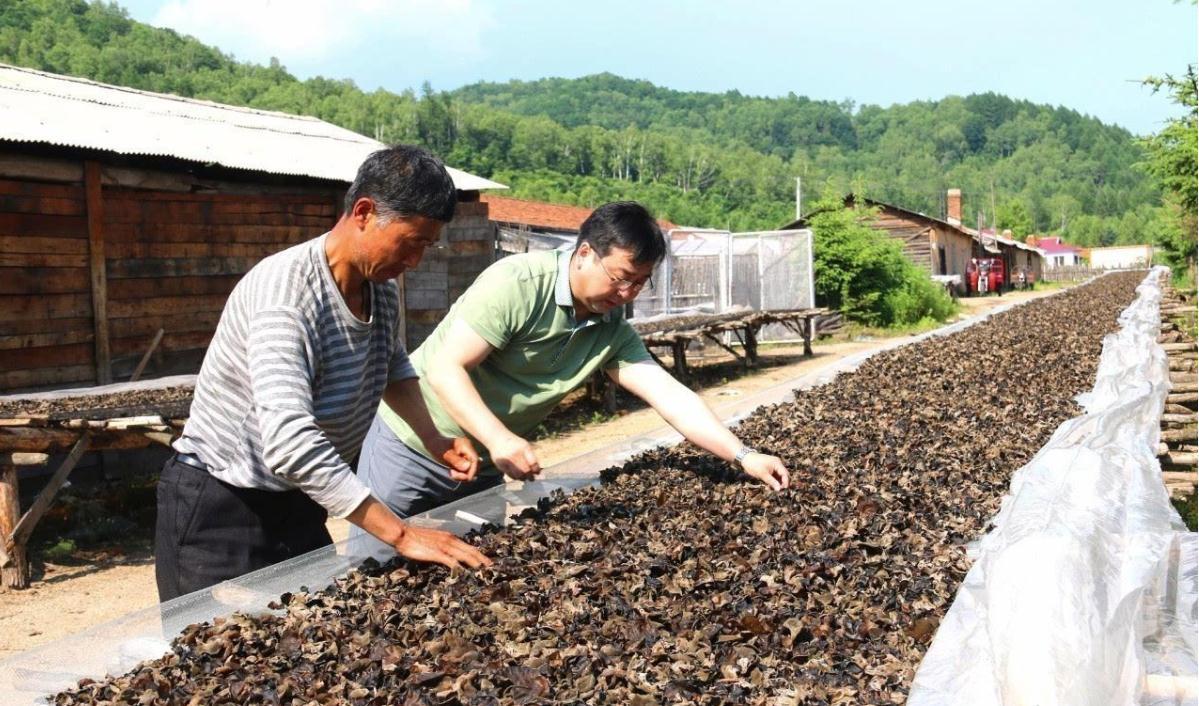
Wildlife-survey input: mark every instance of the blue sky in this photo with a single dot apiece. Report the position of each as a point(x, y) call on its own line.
point(1088, 55)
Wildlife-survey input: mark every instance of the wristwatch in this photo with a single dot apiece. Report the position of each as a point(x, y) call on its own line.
point(742, 453)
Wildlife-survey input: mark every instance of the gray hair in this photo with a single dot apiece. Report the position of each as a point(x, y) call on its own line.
point(404, 180)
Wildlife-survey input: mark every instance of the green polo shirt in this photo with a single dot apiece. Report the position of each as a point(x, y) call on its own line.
point(523, 307)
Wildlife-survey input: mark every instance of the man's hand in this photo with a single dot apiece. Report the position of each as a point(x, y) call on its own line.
point(768, 469)
point(438, 546)
point(416, 543)
point(515, 458)
point(458, 454)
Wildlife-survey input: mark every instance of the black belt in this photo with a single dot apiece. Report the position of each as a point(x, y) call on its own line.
point(191, 460)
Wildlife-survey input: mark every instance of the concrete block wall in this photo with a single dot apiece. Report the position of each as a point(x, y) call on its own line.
point(468, 248)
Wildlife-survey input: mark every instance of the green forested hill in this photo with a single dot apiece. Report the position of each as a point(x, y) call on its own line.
point(773, 126)
point(708, 159)
point(1034, 167)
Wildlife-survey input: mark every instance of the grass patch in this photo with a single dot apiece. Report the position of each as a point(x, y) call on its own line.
point(1183, 280)
point(1186, 507)
point(1044, 286)
point(860, 332)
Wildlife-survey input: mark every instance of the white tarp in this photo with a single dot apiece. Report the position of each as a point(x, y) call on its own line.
point(1085, 590)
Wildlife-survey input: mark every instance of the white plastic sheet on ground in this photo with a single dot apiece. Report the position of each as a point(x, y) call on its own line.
point(1085, 590)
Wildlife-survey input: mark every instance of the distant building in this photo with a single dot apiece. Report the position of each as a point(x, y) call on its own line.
point(1059, 253)
point(944, 247)
point(527, 226)
point(1122, 256)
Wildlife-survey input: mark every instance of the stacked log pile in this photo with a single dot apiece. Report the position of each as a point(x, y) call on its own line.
point(676, 580)
point(1179, 448)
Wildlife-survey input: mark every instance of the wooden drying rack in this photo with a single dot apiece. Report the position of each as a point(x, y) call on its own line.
point(744, 327)
point(31, 440)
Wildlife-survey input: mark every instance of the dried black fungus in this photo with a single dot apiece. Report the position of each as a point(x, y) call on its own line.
point(677, 581)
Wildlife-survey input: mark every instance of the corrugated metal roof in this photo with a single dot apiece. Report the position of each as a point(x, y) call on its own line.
point(73, 112)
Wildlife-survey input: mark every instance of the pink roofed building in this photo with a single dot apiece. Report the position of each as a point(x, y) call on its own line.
point(1059, 253)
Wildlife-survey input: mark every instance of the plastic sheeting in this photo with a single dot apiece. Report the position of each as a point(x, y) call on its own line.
point(117, 646)
point(1085, 590)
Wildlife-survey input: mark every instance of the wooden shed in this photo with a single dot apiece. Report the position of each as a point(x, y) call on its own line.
point(125, 213)
point(937, 246)
point(1016, 255)
point(944, 247)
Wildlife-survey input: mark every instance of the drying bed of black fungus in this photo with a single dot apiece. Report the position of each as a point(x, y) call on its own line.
point(676, 581)
point(170, 400)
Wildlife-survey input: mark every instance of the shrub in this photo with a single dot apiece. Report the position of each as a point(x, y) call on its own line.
point(865, 275)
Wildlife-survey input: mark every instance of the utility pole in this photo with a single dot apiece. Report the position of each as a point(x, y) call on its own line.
point(981, 250)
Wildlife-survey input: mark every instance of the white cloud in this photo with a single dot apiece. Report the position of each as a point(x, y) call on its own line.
point(304, 33)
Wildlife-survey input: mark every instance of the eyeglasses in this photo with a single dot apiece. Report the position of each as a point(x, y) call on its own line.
point(624, 285)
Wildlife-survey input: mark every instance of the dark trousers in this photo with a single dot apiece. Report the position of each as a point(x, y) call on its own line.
point(209, 531)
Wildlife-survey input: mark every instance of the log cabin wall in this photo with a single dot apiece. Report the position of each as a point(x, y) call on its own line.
point(95, 258)
point(170, 257)
point(915, 237)
point(937, 248)
point(46, 325)
point(173, 259)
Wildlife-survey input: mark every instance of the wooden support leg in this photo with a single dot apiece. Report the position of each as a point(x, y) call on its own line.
point(14, 533)
point(751, 346)
point(731, 351)
point(595, 389)
point(15, 571)
point(137, 372)
point(746, 360)
point(609, 395)
point(679, 350)
point(808, 325)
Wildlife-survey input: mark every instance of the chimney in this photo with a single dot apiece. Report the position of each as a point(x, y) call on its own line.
point(953, 207)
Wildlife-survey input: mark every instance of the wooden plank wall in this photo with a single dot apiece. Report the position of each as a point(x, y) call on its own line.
point(46, 334)
point(913, 235)
point(173, 259)
point(957, 247)
point(170, 258)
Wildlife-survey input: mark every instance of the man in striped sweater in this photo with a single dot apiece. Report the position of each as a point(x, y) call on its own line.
point(305, 349)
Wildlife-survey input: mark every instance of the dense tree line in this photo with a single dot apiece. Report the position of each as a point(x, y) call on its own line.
point(707, 159)
point(1174, 162)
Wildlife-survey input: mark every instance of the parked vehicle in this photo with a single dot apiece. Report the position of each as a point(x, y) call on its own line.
point(985, 275)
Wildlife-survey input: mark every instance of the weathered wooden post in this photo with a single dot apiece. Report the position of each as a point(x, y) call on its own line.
point(14, 568)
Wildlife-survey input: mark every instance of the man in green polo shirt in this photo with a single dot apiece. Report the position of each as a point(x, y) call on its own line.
point(531, 329)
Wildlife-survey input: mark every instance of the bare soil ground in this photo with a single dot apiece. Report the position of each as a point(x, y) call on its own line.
point(96, 587)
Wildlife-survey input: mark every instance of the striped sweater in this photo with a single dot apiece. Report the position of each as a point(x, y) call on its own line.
point(292, 378)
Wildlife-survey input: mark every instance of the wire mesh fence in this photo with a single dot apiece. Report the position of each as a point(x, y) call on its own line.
point(715, 271)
